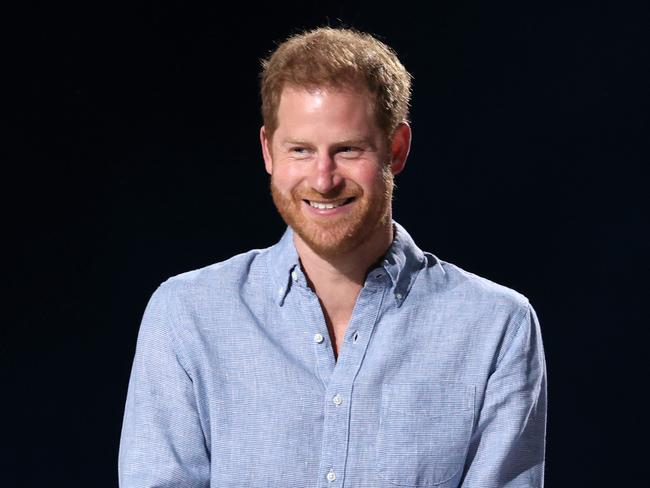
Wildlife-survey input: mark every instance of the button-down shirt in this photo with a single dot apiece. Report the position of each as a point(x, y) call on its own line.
point(440, 380)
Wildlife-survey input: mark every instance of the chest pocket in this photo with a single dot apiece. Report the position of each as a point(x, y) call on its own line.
point(424, 433)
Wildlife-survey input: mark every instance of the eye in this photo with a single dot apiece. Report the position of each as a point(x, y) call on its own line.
point(350, 151)
point(300, 152)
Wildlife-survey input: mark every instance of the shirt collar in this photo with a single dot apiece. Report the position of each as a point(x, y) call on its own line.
point(402, 262)
point(282, 260)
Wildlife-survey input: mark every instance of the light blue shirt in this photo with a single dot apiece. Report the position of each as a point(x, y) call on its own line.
point(440, 381)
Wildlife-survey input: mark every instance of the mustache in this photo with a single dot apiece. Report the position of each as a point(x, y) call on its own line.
point(338, 194)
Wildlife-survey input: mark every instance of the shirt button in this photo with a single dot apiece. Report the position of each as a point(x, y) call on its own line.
point(331, 475)
point(338, 399)
point(318, 338)
point(294, 275)
point(398, 296)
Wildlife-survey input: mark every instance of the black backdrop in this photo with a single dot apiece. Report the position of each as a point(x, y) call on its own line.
point(135, 131)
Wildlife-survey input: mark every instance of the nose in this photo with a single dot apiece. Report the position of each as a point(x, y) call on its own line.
point(324, 177)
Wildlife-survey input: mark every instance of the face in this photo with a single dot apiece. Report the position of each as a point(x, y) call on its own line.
point(331, 168)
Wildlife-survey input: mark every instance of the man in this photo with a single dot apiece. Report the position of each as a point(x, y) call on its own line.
point(343, 355)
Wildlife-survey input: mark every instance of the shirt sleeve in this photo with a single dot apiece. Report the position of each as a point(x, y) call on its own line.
point(507, 447)
point(162, 443)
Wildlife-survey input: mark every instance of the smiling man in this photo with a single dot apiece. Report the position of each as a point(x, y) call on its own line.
point(343, 355)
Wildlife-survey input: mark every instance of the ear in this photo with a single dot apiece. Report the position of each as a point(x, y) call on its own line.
point(400, 147)
point(266, 150)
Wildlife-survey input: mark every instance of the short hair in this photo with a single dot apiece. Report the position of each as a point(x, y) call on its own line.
point(338, 58)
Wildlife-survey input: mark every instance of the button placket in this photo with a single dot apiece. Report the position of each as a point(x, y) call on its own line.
point(339, 386)
point(312, 314)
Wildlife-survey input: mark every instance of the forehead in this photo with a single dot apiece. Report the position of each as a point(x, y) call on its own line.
point(326, 108)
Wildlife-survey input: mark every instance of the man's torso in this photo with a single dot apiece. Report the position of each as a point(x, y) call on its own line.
point(398, 405)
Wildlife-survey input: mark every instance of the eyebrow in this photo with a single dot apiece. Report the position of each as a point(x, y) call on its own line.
point(292, 142)
point(347, 142)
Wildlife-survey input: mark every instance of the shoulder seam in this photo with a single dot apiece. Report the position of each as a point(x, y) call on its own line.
point(173, 323)
point(509, 339)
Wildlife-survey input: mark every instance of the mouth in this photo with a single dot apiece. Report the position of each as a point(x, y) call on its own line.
point(329, 205)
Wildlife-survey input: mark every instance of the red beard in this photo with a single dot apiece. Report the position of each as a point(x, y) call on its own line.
point(334, 236)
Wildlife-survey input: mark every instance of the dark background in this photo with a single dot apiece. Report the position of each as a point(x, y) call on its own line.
point(133, 137)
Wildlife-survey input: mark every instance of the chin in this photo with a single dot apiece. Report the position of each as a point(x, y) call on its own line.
point(330, 243)
point(341, 238)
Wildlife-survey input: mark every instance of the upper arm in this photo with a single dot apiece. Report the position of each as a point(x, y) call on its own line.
point(508, 446)
point(162, 442)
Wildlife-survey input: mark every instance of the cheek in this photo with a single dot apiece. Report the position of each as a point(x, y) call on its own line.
point(286, 177)
point(372, 177)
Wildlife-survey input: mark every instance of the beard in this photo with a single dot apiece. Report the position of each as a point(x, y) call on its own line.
point(336, 236)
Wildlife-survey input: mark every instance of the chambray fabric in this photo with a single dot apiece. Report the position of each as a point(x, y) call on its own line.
point(440, 381)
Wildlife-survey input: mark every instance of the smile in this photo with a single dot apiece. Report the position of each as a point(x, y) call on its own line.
point(329, 205)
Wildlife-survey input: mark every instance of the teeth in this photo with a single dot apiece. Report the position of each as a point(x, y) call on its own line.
point(325, 206)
